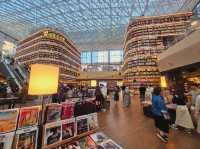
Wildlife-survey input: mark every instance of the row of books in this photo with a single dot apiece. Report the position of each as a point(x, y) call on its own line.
point(160, 19)
point(161, 30)
point(19, 118)
point(52, 47)
point(41, 36)
point(58, 131)
point(94, 141)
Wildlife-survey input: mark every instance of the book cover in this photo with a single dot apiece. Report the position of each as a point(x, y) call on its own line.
point(68, 128)
point(99, 137)
point(67, 110)
point(6, 140)
point(53, 112)
point(52, 133)
point(93, 121)
point(28, 116)
point(90, 144)
point(26, 138)
point(82, 124)
point(110, 144)
point(8, 120)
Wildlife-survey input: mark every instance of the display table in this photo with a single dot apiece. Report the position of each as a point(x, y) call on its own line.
point(11, 101)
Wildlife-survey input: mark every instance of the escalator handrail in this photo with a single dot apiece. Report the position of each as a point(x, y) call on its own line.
point(12, 74)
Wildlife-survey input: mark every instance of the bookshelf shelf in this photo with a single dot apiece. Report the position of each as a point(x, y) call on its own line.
point(145, 39)
point(71, 140)
point(48, 46)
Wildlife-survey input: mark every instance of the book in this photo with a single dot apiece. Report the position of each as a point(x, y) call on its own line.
point(90, 143)
point(99, 137)
point(53, 112)
point(6, 140)
point(52, 133)
point(110, 144)
point(28, 116)
point(67, 110)
point(93, 121)
point(68, 128)
point(8, 120)
point(26, 138)
point(82, 124)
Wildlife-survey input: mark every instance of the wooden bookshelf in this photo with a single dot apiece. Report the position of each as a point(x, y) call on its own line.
point(145, 39)
point(48, 46)
point(71, 140)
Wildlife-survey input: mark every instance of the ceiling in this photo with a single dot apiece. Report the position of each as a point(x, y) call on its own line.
point(84, 21)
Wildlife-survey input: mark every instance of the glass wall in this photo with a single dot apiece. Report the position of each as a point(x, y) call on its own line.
point(102, 57)
point(86, 57)
point(116, 56)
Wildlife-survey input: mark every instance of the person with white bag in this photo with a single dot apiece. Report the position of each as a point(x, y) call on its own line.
point(183, 117)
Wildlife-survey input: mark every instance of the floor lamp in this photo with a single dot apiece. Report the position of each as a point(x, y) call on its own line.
point(43, 80)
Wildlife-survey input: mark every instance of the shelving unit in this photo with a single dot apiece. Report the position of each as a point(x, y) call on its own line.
point(145, 39)
point(49, 46)
point(71, 140)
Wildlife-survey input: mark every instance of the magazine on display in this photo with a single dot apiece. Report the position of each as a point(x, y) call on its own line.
point(90, 143)
point(8, 120)
point(82, 124)
point(93, 121)
point(53, 112)
point(110, 144)
point(28, 116)
point(6, 140)
point(99, 137)
point(68, 128)
point(26, 138)
point(67, 110)
point(52, 133)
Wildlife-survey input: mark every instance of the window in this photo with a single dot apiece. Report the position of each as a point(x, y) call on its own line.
point(102, 57)
point(116, 56)
point(99, 57)
point(94, 57)
point(86, 57)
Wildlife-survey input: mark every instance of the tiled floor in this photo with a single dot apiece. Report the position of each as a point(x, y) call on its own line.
point(131, 129)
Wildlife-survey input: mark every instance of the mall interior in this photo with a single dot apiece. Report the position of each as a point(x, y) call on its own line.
point(99, 74)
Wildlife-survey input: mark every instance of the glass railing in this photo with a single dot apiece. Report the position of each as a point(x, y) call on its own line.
point(195, 25)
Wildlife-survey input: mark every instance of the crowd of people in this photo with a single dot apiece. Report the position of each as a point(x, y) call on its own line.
point(171, 108)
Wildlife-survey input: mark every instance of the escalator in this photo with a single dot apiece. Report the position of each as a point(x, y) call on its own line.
point(12, 72)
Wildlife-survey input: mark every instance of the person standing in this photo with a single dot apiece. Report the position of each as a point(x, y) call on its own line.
point(160, 113)
point(183, 117)
point(197, 112)
point(148, 93)
point(126, 97)
point(142, 91)
point(99, 97)
point(116, 94)
point(194, 92)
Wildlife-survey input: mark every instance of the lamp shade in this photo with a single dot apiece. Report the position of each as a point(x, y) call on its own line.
point(163, 82)
point(93, 83)
point(43, 79)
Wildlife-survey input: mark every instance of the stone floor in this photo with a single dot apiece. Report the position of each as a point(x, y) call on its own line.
point(131, 129)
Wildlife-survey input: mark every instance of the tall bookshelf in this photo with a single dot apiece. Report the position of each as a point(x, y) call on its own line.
point(145, 39)
point(48, 46)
